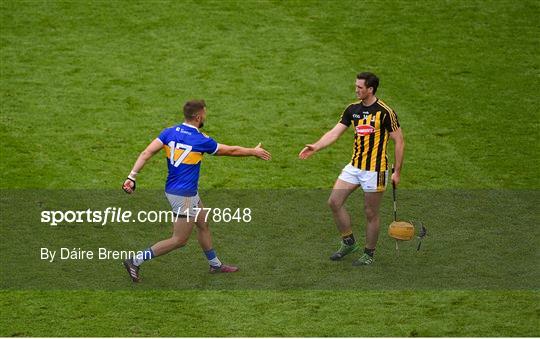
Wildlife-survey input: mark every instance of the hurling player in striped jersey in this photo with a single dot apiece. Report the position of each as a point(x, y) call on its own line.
point(374, 123)
point(184, 146)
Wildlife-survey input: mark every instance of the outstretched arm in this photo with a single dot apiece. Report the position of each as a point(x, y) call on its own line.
point(151, 149)
point(326, 140)
point(238, 151)
point(399, 147)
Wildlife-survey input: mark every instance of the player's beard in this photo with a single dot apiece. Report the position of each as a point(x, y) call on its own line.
point(202, 124)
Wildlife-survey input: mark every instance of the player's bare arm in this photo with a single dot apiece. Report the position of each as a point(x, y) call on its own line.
point(150, 150)
point(399, 147)
point(238, 151)
point(326, 140)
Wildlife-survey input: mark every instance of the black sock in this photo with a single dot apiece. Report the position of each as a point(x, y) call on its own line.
point(369, 251)
point(348, 239)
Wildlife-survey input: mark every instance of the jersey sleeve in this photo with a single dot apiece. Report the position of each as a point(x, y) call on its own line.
point(163, 136)
point(209, 146)
point(346, 116)
point(391, 122)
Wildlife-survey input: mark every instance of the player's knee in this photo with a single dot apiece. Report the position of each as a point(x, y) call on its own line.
point(179, 242)
point(203, 226)
point(334, 204)
point(371, 214)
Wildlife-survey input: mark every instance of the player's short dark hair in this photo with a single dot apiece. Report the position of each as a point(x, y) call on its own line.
point(370, 79)
point(192, 108)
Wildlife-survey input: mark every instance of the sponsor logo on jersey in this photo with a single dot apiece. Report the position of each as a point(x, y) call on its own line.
point(365, 129)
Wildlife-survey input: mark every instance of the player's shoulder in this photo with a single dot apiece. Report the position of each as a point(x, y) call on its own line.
point(200, 137)
point(385, 106)
point(354, 104)
point(353, 107)
point(167, 131)
point(170, 128)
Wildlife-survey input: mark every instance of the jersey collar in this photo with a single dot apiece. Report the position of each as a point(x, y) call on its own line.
point(188, 125)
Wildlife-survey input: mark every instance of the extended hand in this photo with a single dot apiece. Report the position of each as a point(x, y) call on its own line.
point(261, 153)
point(307, 151)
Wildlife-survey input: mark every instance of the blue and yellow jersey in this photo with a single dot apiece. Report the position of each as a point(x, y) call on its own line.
point(184, 147)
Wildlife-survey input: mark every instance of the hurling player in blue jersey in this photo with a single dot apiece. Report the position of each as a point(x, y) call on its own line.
point(184, 147)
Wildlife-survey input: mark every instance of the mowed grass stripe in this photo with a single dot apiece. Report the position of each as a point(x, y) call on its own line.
point(268, 313)
point(102, 88)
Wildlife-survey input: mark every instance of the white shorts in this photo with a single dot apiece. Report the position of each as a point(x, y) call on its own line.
point(370, 181)
point(183, 206)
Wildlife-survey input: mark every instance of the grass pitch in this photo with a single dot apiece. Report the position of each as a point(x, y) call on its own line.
point(85, 86)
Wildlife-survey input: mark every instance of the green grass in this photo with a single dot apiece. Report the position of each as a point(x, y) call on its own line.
point(107, 78)
point(85, 86)
point(247, 313)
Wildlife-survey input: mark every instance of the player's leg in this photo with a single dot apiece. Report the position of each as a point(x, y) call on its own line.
point(338, 197)
point(374, 186)
point(372, 204)
point(341, 191)
point(181, 207)
point(204, 237)
point(180, 235)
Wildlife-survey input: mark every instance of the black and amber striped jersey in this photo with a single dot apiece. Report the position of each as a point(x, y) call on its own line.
point(372, 126)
